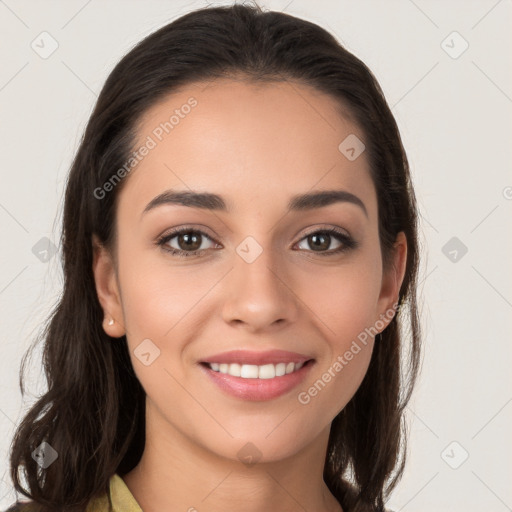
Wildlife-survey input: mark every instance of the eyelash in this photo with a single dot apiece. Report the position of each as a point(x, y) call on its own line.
point(347, 242)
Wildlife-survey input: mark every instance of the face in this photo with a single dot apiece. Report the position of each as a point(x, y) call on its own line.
point(256, 285)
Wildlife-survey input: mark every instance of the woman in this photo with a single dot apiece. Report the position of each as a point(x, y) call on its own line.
point(239, 241)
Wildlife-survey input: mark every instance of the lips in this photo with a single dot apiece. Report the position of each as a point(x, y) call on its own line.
point(257, 375)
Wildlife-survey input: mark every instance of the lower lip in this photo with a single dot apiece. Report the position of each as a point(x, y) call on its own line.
point(257, 389)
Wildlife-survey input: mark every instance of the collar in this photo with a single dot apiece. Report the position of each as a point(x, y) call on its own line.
point(122, 498)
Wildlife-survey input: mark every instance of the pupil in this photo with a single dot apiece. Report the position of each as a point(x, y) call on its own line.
point(325, 238)
point(187, 238)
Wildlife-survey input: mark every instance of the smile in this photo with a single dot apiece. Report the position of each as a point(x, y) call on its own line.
point(256, 376)
point(252, 371)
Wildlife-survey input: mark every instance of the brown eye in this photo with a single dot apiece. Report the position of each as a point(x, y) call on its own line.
point(188, 242)
point(319, 241)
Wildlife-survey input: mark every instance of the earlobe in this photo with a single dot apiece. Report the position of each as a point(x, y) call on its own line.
point(107, 289)
point(392, 280)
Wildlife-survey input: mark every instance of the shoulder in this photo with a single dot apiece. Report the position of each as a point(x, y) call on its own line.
point(98, 504)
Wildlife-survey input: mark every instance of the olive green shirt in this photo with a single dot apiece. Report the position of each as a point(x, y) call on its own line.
point(122, 500)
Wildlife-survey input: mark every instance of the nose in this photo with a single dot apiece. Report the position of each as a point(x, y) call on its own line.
point(259, 295)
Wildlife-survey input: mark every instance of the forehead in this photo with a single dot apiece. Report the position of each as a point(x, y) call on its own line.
point(238, 139)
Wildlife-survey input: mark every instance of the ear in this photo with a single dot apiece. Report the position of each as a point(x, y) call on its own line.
point(392, 281)
point(107, 289)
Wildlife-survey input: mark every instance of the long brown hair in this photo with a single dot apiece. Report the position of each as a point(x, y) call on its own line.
point(93, 411)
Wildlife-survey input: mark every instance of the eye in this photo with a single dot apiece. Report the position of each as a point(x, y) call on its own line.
point(321, 239)
point(189, 242)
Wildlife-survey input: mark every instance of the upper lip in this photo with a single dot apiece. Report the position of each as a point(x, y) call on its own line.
point(257, 358)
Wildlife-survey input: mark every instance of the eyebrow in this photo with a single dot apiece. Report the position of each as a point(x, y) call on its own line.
point(214, 202)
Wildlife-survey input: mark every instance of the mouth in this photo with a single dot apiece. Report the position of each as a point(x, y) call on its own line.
point(253, 371)
point(257, 376)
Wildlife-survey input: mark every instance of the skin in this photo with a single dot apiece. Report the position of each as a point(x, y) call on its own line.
point(256, 145)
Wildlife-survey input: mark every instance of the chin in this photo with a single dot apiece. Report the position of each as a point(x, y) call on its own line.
point(263, 445)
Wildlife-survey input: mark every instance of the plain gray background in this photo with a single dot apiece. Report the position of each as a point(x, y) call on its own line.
point(453, 105)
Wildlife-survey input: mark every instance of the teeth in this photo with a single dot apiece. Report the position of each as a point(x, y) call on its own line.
point(252, 371)
point(235, 369)
point(267, 371)
point(249, 371)
point(280, 369)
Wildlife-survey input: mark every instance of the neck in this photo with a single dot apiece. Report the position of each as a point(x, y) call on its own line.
point(174, 473)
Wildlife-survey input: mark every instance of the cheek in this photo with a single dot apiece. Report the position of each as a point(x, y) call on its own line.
point(344, 299)
point(333, 386)
point(157, 295)
point(159, 304)
point(344, 302)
